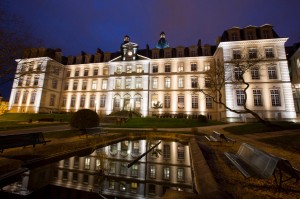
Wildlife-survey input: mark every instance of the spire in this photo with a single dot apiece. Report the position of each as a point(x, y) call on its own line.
point(162, 42)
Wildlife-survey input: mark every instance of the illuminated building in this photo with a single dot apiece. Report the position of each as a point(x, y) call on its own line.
point(162, 81)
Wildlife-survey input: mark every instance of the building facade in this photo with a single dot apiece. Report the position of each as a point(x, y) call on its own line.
point(162, 81)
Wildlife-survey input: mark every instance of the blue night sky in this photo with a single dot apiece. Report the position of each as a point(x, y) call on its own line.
point(85, 25)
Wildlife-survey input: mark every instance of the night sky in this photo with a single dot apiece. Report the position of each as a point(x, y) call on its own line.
point(85, 25)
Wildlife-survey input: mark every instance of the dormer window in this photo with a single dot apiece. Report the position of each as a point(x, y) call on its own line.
point(234, 36)
point(266, 34)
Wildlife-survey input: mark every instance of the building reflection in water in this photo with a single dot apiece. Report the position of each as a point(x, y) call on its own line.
point(106, 171)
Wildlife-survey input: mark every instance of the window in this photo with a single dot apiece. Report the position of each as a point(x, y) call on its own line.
point(154, 82)
point(84, 85)
point(138, 102)
point(119, 69)
point(122, 186)
point(95, 72)
point(111, 184)
point(52, 100)
point(92, 101)
point(154, 69)
point(123, 170)
point(166, 173)
point(64, 101)
point(180, 82)
point(167, 68)
point(250, 35)
point(65, 175)
point(104, 84)
point(24, 99)
point(75, 177)
point(167, 54)
point(85, 179)
point(134, 187)
point(20, 82)
point(66, 86)
point(236, 54)
point(240, 97)
point(66, 163)
point(87, 163)
point(73, 100)
point(193, 53)
point(167, 82)
point(86, 72)
point(272, 72)
point(139, 68)
point(76, 73)
point(75, 84)
point(180, 101)
point(194, 101)
point(118, 84)
point(180, 67)
point(134, 170)
point(102, 100)
point(275, 97)
point(154, 100)
point(152, 189)
point(206, 66)
point(32, 98)
point(76, 162)
point(208, 102)
point(113, 148)
point(68, 73)
point(180, 152)
point(105, 71)
point(194, 82)
point(266, 34)
point(27, 82)
point(255, 73)
point(117, 102)
point(193, 67)
point(135, 148)
point(138, 82)
point(252, 53)
point(180, 174)
point(36, 80)
point(269, 53)
point(180, 54)
point(257, 98)
point(152, 171)
point(207, 82)
point(234, 36)
point(94, 84)
point(167, 102)
point(128, 69)
point(17, 97)
point(238, 73)
point(82, 101)
point(167, 152)
point(54, 83)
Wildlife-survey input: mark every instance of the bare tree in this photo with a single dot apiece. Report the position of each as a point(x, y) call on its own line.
point(233, 72)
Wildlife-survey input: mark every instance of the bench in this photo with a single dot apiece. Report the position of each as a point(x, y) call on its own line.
point(219, 138)
point(91, 131)
point(253, 162)
point(21, 140)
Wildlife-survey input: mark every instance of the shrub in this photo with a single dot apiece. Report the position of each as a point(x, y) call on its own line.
point(85, 118)
point(202, 118)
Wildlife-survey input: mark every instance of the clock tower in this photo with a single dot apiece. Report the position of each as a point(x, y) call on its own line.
point(128, 49)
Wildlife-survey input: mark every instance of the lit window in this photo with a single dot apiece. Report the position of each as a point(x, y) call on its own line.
point(87, 163)
point(167, 82)
point(275, 97)
point(52, 100)
point(167, 68)
point(180, 82)
point(84, 85)
point(180, 67)
point(257, 98)
point(82, 101)
point(111, 184)
point(102, 100)
point(32, 98)
point(122, 186)
point(94, 84)
point(105, 71)
point(92, 101)
point(193, 67)
point(135, 148)
point(137, 102)
point(194, 82)
point(167, 100)
point(128, 69)
point(255, 73)
point(138, 82)
point(206, 66)
point(180, 101)
point(119, 69)
point(167, 152)
point(113, 149)
point(240, 97)
point(123, 170)
point(154, 69)
point(208, 102)
point(134, 187)
point(139, 68)
point(195, 101)
point(180, 174)
point(272, 72)
point(180, 152)
point(152, 171)
point(73, 100)
point(236, 54)
point(104, 84)
point(24, 99)
point(112, 167)
point(166, 173)
point(117, 102)
point(154, 100)
point(17, 97)
point(118, 84)
point(134, 170)
point(154, 82)
point(64, 101)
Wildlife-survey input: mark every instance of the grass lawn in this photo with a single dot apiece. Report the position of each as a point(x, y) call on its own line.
point(10, 125)
point(34, 117)
point(165, 123)
point(289, 142)
point(261, 128)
